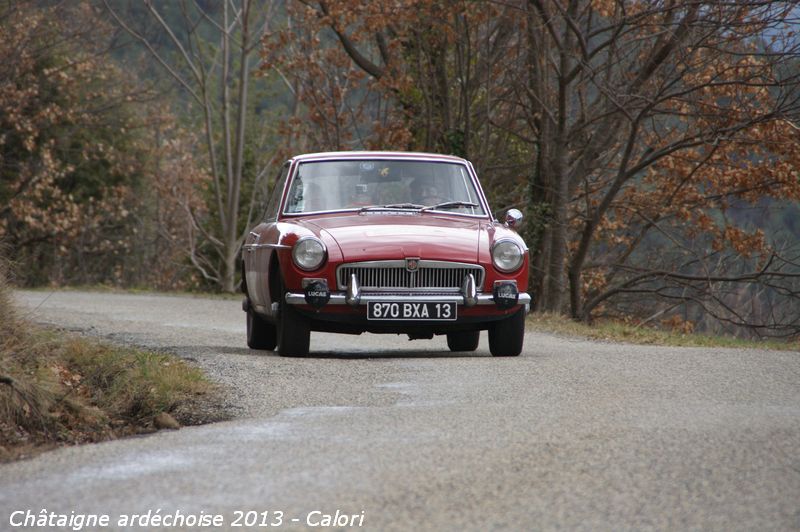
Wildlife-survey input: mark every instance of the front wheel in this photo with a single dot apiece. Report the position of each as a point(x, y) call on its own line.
point(505, 336)
point(260, 334)
point(463, 341)
point(294, 334)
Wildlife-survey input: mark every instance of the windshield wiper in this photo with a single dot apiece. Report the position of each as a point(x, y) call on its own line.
point(448, 205)
point(392, 206)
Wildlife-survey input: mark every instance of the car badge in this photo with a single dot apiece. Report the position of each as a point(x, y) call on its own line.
point(412, 264)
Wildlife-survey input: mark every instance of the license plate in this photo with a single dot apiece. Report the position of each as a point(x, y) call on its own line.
point(411, 311)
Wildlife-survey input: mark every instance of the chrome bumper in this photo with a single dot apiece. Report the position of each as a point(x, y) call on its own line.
point(340, 298)
point(354, 296)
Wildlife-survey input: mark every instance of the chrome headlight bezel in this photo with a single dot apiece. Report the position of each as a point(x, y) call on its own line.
point(301, 247)
point(507, 245)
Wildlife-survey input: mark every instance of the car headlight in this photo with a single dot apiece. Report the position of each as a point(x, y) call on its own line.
point(309, 253)
point(507, 256)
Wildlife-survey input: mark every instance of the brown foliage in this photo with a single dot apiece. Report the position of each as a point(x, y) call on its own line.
point(80, 171)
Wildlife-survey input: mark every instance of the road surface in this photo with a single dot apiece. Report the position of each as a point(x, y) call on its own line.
point(404, 435)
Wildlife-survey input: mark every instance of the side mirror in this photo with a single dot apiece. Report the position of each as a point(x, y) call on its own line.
point(513, 217)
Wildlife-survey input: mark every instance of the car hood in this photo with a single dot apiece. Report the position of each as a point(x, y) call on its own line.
point(381, 236)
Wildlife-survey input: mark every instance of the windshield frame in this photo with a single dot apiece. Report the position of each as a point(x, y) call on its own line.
point(470, 170)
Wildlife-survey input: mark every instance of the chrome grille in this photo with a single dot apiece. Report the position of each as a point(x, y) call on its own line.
point(393, 276)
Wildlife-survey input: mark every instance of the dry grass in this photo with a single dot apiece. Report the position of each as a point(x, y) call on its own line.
point(58, 389)
point(615, 331)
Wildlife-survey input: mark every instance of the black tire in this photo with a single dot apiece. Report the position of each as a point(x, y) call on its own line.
point(463, 341)
point(260, 334)
point(506, 336)
point(294, 334)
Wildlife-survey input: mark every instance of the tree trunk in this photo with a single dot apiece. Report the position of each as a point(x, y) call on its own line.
point(575, 302)
point(553, 140)
point(555, 270)
point(229, 269)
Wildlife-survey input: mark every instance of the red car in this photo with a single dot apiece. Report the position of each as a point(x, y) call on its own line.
point(384, 242)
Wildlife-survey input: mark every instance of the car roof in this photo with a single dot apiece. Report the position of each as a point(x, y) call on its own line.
point(376, 155)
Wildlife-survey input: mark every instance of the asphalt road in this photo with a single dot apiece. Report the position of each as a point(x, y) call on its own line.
point(570, 435)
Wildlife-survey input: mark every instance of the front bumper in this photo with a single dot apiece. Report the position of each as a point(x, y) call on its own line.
point(504, 295)
point(340, 298)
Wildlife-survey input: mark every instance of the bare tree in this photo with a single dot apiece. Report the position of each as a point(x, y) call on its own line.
point(636, 126)
point(211, 58)
point(442, 63)
point(641, 113)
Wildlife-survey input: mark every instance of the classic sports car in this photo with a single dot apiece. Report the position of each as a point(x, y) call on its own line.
point(383, 242)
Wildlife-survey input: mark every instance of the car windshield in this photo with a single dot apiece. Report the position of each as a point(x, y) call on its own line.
point(369, 184)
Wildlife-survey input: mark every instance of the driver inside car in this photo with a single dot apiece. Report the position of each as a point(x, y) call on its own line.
point(424, 191)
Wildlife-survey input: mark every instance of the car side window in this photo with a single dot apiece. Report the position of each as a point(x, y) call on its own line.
point(275, 198)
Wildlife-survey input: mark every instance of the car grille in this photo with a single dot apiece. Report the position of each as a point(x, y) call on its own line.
point(394, 276)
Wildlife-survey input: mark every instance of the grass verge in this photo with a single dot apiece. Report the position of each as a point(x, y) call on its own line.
point(615, 331)
point(59, 389)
